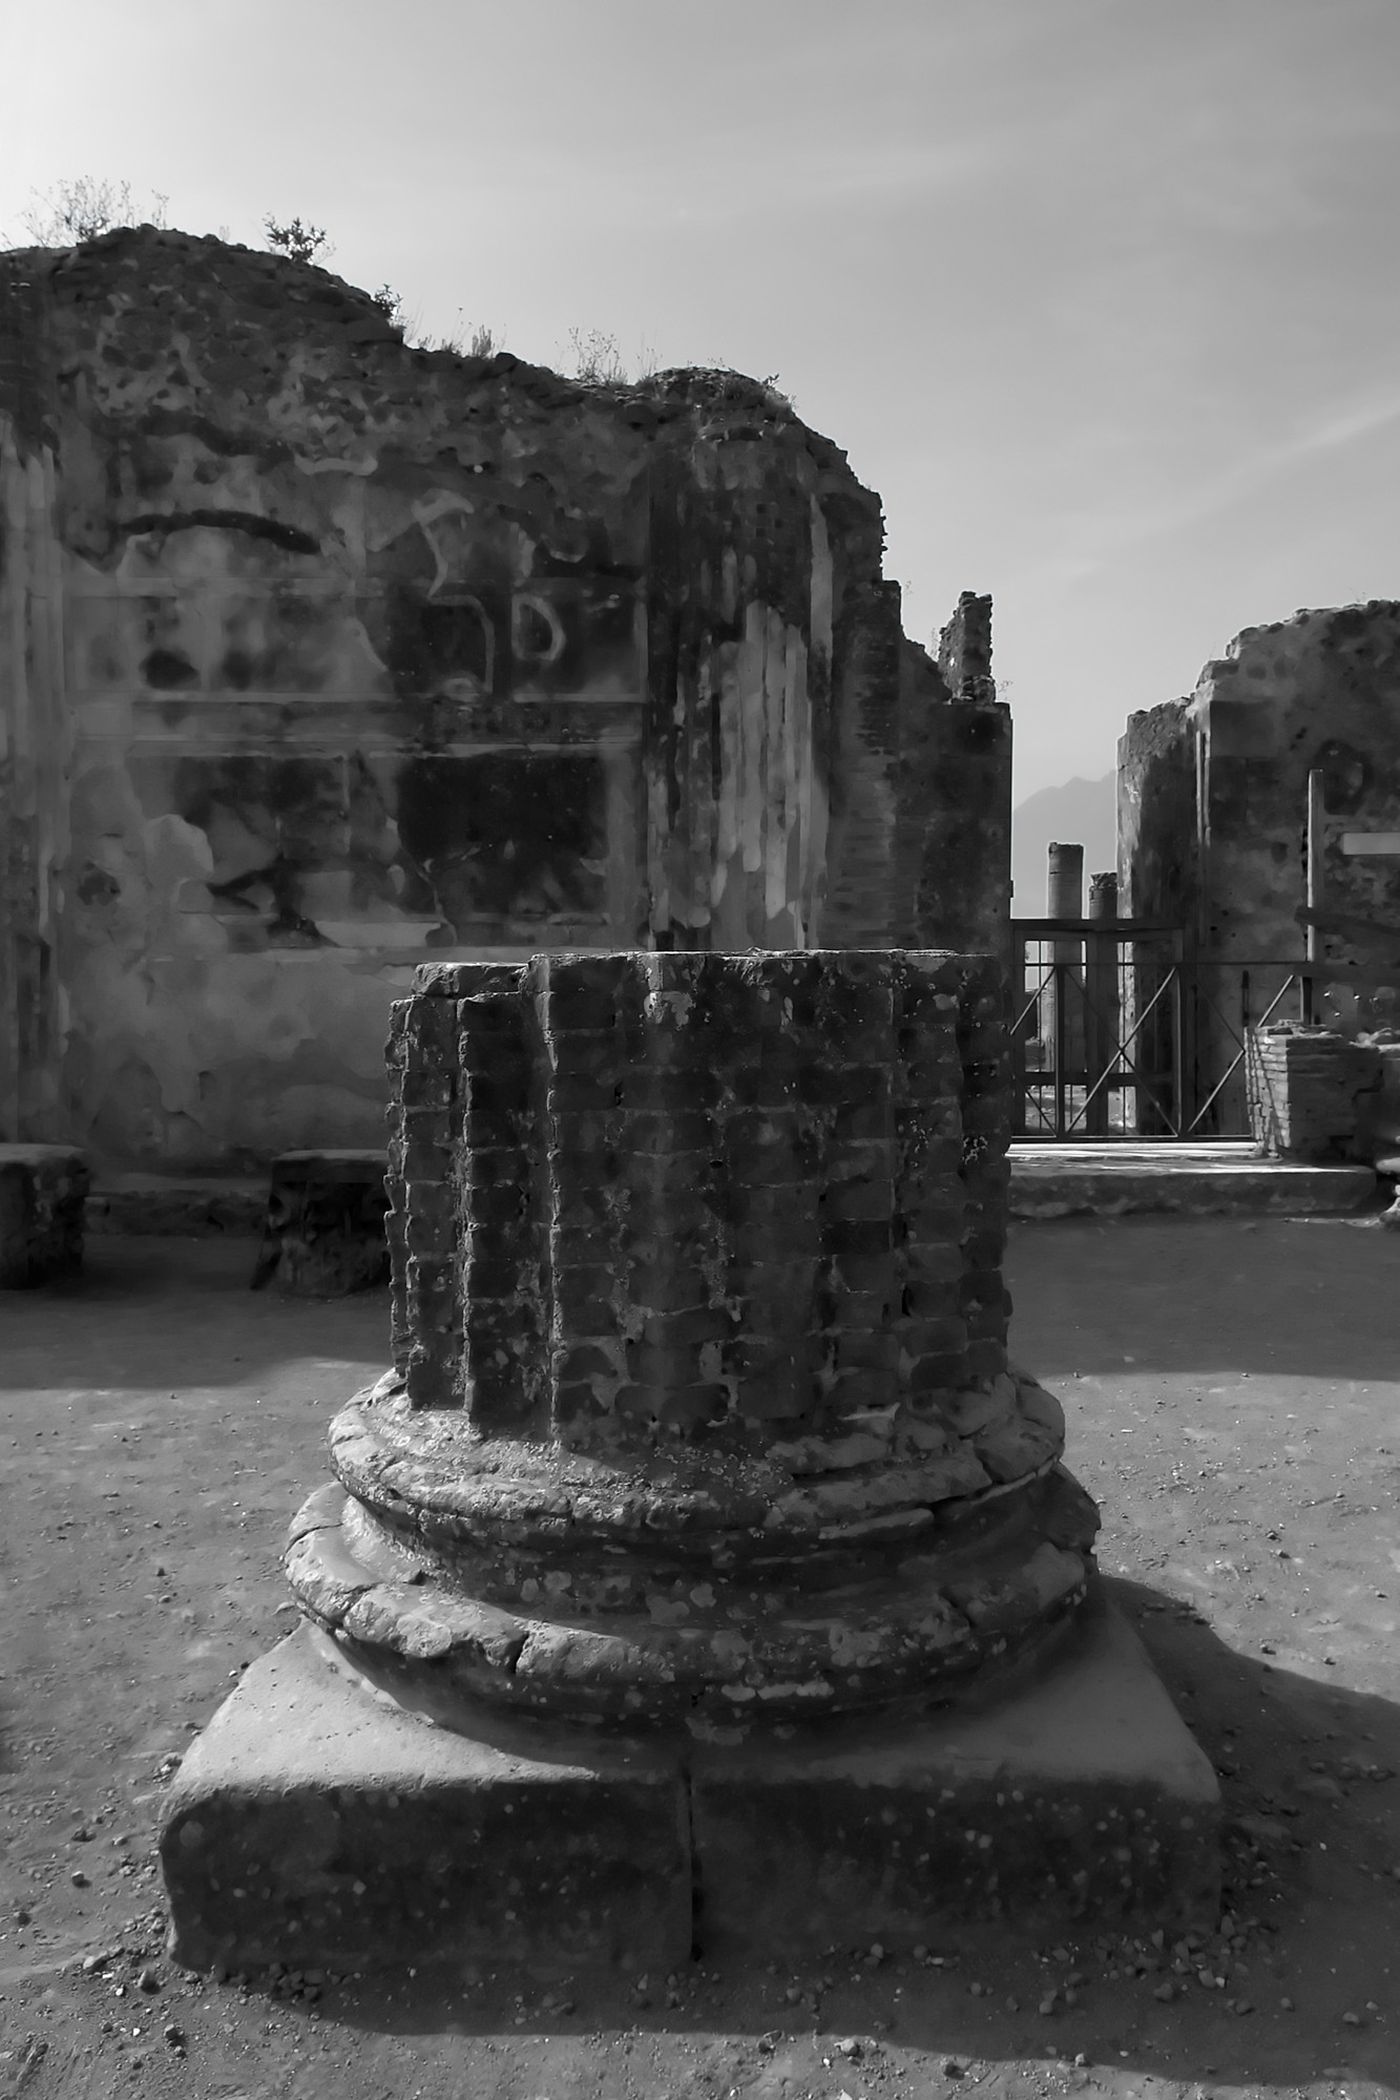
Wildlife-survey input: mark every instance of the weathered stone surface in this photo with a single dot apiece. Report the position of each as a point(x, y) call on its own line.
point(315, 1825)
point(1230, 765)
point(710, 1628)
point(43, 1189)
point(1079, 1796)
point(1317, 691)
point(1195, 1179)
point(1308, 1091)
point(327, 656)
point(701, 1513)
point(702, 1411)
point(323, 1230)
point(199, 1208)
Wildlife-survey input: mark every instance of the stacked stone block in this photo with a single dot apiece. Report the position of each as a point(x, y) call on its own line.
point(651, 1195)
point(700, 1407)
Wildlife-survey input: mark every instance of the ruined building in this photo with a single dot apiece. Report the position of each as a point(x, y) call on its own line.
point(1213, 791)
point(321, 657)
point(1213, 839)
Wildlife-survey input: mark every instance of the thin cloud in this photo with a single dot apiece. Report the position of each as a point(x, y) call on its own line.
point(1113, 533)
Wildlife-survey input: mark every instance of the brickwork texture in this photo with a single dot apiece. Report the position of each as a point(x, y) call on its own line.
point(649, 1195)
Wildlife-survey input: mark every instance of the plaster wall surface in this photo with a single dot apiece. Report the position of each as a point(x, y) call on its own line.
point(323, 657)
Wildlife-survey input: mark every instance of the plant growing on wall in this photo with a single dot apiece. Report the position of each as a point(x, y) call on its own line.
point(597, 358)
point(298, 239)
point(80, 207)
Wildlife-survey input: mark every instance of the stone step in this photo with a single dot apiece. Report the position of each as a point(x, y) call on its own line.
point(202, 1207)
point(1117, 1177)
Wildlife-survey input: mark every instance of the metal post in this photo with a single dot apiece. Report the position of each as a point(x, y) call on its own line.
point(1180, 1092)
point(1317, 820)
point(1101, 1005)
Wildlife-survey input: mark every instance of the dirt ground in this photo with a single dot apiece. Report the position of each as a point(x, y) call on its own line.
point(1233, 1392)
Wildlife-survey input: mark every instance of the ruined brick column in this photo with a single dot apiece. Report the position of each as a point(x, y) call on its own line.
point(701, 1407)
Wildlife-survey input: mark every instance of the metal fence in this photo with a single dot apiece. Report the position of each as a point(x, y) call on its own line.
point(1121, 1030)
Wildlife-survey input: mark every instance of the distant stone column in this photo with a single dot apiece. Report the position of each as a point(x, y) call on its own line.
point(1062, 1008)
point(1101, 1005)
point(701, 1406)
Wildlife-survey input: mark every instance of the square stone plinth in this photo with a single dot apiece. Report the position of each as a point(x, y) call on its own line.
point(323, 1234)
point(43, 1189)
point(316, 1825)
point(1080, 1795)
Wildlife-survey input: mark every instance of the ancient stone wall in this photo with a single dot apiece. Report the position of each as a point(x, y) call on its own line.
point(1319, 690)
point(1157, 844)
point(323, 657)
point(1212, 824)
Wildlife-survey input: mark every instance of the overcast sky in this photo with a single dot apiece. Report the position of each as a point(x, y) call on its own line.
point(1101, 295)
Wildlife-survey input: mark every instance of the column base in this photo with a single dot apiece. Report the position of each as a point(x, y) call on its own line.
point(1077, 1795)
point(316, 1824)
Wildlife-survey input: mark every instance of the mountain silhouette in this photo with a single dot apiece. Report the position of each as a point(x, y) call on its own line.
point(1077, 812)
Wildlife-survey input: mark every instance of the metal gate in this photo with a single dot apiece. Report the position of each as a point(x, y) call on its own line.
point(1121, 1029)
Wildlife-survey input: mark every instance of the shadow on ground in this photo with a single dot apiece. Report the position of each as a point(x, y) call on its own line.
point(1200, 1295)
point(147, 1312)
